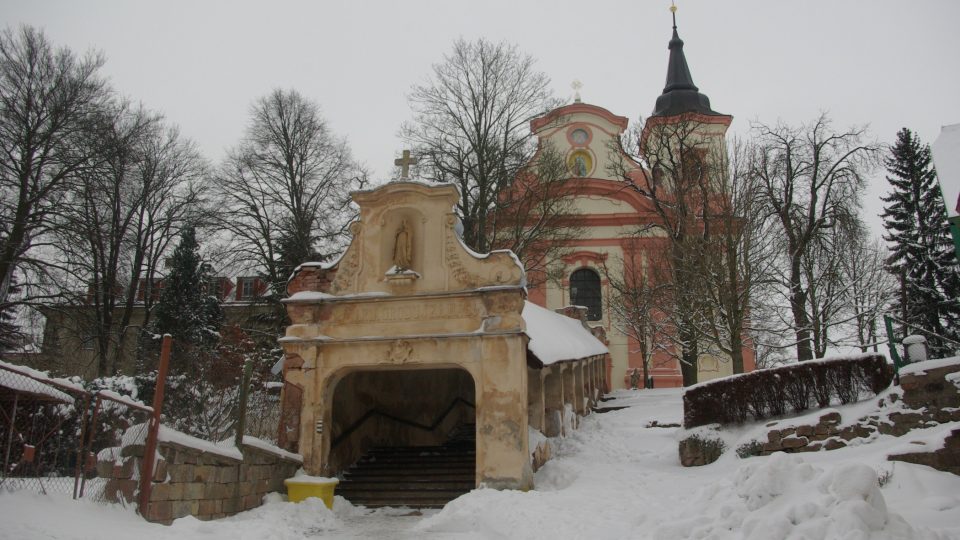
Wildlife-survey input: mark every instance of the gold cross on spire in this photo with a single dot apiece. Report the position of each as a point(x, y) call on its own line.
point(576, 85)
point(404, 163)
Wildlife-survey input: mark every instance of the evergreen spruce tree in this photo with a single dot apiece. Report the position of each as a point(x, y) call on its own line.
point(922, 255)
point(187, 309)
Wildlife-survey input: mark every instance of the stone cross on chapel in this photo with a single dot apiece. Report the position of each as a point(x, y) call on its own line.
point(404, 163)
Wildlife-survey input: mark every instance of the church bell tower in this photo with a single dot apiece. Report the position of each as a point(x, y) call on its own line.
point(682, 103)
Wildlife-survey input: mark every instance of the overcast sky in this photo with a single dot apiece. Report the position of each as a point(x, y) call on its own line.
point(883, 63)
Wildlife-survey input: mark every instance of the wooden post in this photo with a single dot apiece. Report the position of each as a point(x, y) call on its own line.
point(81, 465)
point(153, 430)
point(242, 406)
point(81, 446)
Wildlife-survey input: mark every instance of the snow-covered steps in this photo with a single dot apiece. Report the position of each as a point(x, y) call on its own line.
point(417, 477)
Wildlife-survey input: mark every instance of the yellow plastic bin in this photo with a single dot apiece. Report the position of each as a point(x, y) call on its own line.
point(302, 487)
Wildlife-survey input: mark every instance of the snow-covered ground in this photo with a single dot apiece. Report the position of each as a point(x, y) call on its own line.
point(614, 478)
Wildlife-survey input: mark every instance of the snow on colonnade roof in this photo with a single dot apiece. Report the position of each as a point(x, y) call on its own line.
point(555, 338)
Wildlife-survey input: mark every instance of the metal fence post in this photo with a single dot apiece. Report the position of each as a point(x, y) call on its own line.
point(150, 445)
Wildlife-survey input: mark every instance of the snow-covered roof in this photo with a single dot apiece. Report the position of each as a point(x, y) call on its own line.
point(25, 380)
point(555, 338)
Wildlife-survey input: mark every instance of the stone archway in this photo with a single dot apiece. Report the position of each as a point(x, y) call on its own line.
point(441, 307)
point(398, 408)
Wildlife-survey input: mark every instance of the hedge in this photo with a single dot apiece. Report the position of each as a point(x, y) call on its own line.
point(794, 387)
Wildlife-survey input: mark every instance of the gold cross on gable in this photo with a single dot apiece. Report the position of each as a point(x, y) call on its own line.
point(404, 163)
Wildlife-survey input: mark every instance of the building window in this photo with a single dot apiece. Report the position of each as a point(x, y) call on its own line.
point(247, 288)
point(580, 136)
point(585, 291)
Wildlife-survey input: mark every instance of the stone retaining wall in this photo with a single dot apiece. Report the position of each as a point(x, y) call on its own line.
point(192, 482)
point(924, 399)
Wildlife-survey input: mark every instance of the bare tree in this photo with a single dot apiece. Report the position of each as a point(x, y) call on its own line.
point(870, 289)
point(812, 177)
point(284, 191)
point(739, 249)
point(640, 298)
point(826, 288)
point(48, 98)
point(471, 128)
point(535, 216)
point(117, 220)
point(675, 178)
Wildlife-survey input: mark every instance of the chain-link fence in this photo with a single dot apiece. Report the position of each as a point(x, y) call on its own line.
point(55, 436)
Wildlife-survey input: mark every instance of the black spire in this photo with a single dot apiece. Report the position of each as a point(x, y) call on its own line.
point(680, 95)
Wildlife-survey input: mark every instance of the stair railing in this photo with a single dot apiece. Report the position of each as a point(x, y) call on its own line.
point(411, 423)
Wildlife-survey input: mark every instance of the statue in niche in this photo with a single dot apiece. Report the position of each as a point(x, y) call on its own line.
point(403, 248)
point(579, 166)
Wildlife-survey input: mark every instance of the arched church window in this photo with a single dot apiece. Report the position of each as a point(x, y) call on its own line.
point(585, 291)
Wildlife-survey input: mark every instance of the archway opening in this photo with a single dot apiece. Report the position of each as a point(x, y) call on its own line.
point(407, 408)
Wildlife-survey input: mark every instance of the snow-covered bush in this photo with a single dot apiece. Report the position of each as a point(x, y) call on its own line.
point(774, 392)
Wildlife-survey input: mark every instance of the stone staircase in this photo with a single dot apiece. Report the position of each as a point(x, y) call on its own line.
point(417, 476)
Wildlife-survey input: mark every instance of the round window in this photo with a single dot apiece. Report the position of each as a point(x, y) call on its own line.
point(579, 136)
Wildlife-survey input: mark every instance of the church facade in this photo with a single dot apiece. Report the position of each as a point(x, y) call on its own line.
point(616, 224)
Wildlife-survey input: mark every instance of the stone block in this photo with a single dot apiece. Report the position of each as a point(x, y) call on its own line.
point(246, 488)
point(105, 469)
point(209, 507)
point(126, 468)
point(831, 418)
point(160, 471)
point(250, 501)
point(205, 473)
point(773, 436)
point(791, 443)
point(161, 492)
point(772, 447)
point(185, 508)
point(805, 431)
point(180, 472)
point(227, 475)
point(231, 506)
point(127, 489)
point(133, 450)
point(910, 383)
point(220, 491)
point(833, 444)
point(812, 447)
point(159, 511)
point(193, 491)
point(187, 456)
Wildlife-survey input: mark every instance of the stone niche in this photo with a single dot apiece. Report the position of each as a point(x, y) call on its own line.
point(408, 311)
